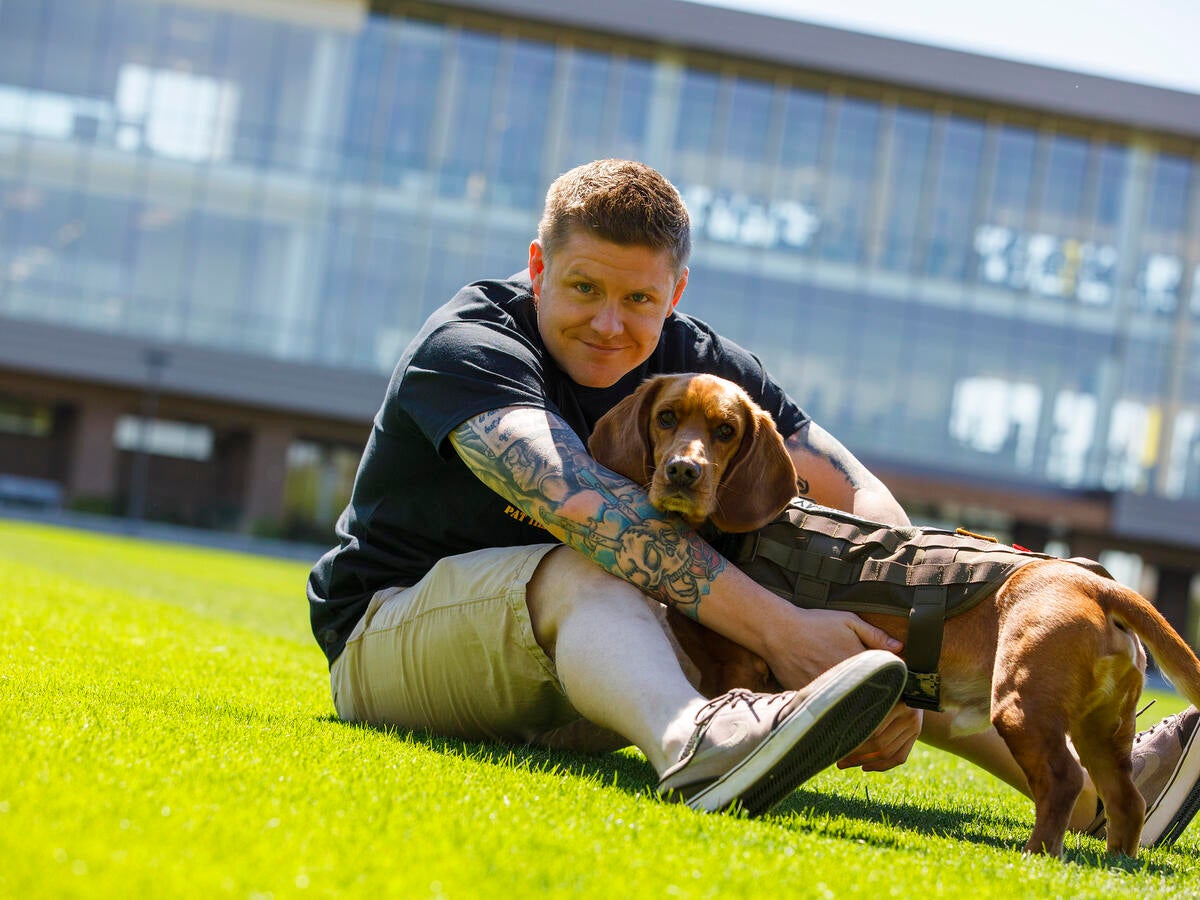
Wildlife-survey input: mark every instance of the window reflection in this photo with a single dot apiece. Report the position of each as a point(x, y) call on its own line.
point(1162, 266)
point(850, 179)
point(476, 72)
point(908, 156)
point(954, 196)
point(192, 173)
point(589, 82)
point(521, 124)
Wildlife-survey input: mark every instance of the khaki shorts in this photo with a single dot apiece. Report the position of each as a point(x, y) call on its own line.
point(455, 654)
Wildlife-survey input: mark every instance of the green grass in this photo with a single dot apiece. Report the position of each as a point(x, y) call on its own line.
point(167, 732)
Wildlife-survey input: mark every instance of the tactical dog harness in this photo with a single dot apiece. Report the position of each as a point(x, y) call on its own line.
point(821, 558)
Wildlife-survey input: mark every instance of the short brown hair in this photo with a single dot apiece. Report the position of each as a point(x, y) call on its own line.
point(620, 201)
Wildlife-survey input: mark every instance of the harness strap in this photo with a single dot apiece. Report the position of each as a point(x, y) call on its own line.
point(924, 647)
point(820, 558)
point(801, 561)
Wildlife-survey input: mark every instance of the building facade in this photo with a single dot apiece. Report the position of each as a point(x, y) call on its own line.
point(220, 223)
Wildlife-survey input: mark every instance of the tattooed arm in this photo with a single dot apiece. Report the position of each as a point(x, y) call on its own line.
point(829, 474)
point(536, 462)
point(532, 459)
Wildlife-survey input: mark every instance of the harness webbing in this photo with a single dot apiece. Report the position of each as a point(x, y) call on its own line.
point(821, 558)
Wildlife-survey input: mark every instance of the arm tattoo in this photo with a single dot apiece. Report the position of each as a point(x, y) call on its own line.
point(814, 444)
point(536, 462)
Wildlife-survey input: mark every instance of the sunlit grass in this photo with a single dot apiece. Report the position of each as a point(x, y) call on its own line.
point(168, 733)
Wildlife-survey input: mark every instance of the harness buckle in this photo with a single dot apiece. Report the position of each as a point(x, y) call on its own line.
point(923, 690)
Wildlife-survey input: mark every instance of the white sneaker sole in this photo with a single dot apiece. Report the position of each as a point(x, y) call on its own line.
point(1175, 806)
point(844, 707)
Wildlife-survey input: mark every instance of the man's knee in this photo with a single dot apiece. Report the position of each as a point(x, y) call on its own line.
point(563, 581)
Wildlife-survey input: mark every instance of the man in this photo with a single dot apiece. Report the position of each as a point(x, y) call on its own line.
point(492, 581)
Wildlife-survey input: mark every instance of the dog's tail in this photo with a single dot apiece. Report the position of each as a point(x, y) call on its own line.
point(1176, 659)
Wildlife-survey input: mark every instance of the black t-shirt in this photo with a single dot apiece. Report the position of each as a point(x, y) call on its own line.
point(415, 501)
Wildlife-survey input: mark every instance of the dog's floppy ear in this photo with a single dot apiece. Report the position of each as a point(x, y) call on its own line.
point(621, 439)
point(760, 480)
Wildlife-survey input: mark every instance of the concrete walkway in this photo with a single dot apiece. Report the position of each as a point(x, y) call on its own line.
point(176, 534)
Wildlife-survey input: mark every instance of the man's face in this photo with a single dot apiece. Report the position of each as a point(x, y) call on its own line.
point(601, 306)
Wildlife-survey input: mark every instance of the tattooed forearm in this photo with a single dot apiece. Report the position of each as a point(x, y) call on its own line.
point(539, 465)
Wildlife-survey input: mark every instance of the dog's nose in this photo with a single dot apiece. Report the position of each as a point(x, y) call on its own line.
point(682, 472)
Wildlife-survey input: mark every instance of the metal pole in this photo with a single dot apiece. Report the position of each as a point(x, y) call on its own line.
point(156, 361)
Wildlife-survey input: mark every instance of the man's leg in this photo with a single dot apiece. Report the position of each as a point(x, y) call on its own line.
point(612, 655)
point(459, 654)
point(620, 671)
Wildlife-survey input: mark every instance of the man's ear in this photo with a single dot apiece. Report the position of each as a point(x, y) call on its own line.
point(537, 266)
point(679, 286)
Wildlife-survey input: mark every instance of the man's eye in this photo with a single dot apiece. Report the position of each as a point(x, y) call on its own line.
point(666, 419)
point(639, 298)
point(584, 288)
point(724, 432)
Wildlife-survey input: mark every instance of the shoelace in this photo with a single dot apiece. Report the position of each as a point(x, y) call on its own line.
point(733, 698)
point(1165, 723)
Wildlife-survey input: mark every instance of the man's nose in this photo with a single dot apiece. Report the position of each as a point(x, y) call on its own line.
point(607, 320)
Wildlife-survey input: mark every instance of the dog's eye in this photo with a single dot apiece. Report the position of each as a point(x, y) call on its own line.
point(666, 419)
point(723, 432)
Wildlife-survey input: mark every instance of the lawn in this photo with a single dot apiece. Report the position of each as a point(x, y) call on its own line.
point(168, 733)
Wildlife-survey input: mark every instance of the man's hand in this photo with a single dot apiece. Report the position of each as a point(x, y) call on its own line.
point(810, 641)
point(814, 640)
point(890, 744)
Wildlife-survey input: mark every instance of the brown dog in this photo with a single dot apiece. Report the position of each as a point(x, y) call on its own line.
point(1053, 652)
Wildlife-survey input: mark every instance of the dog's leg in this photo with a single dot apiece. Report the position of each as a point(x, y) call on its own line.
point(1037, 737)
point(1103, 738)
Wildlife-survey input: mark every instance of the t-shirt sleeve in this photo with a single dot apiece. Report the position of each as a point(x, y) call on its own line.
point(463, 369)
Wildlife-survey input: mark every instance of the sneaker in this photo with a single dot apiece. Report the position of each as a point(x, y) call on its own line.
point(754, 749)
point(1166, 770)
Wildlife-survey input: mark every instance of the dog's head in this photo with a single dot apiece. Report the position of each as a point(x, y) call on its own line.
point(703, 449)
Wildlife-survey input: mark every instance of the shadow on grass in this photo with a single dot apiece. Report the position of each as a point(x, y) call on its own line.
point(632, 774)
point(973, 827)
point(627, 772)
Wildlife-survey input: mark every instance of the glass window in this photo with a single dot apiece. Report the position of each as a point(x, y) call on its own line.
point(1008, 205)
point(803, 130)
point(523, 125)
point(850, 181)
point(35, 220)
point(101, 242)
point(799, 179)
point(1162, 267)
point(220, 251)
point(908, 158)
point(952, 220)
point(698, 110)
point(586, 106)
point(130, 40)
point(418, 78)
point(316, 487)
point(606, 108)
point(159, 262)
point(293, 74)
point(635, 90)
point(477, 59)
point(21, 42)
point(1062, 196)
point(25, 417)
point(72, 29)
point(163, 437)
point(1111, 176)
point(367, 96)
point(749, 120)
